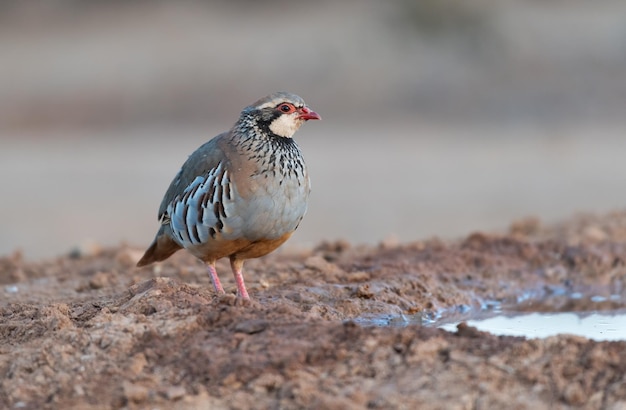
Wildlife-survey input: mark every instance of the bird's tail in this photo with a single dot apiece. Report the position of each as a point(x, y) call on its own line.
point(161, 248)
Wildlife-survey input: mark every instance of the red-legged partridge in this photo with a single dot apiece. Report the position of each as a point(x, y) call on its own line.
point(241, 194)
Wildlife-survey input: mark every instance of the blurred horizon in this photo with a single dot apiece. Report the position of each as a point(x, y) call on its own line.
point(98, 64)
point(440, 116)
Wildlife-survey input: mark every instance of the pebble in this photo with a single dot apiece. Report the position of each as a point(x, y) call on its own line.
point(574, 394)
point(84, 249)
point(99, 280)
point(137, 364)
point(318, 263)
point(128, 257)
point(175, 392)
point(135, 393)
point(595, 234)
point(390, 242)
point(252, 326)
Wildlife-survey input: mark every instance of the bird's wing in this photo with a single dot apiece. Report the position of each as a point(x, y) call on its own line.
point(203, 161)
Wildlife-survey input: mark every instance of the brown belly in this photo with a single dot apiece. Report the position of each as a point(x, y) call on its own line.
point(239, 248)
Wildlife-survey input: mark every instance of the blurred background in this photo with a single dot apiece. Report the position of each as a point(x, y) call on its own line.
point(440, 117)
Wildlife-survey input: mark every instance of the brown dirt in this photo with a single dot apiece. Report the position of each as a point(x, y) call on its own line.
point(90, 331)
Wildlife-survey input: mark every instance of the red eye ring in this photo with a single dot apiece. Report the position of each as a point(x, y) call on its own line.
point(286, 108)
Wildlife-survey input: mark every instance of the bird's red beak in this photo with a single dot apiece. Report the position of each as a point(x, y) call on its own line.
point(307, 114)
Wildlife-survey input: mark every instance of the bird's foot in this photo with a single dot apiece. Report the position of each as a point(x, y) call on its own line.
point(230, 299)
point(242, 292)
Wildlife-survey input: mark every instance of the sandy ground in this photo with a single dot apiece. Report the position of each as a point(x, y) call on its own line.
point(90, 331)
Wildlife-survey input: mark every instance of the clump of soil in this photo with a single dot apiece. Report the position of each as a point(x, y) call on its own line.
point(90, 331)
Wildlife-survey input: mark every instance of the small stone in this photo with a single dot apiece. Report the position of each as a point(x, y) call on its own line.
point(526, 226)
point(594, 234)
point(358, 276)
point(364, 291)
point(137, 363)
point(595, 401)
point(370, 343)
point(79, 390)
point(134, 392)
point(231, 381)
point(227, 299)
point(318, 263)
point(252, 326)
point(128, 257)
point(267, 382)
point(175, 392)
point(399, 348)
point(464, 330)
point(574, 394)
point(390, 242)
point(84, 249)
point(99, 280)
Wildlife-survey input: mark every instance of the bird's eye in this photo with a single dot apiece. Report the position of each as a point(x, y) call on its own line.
point(286, 108)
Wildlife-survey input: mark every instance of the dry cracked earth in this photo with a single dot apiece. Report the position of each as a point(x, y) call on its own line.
point(88, 330)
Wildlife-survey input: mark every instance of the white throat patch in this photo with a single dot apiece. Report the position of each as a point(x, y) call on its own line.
point(285, 126)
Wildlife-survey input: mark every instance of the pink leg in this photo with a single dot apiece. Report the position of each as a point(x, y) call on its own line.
point(237, 267)
point(214, 278)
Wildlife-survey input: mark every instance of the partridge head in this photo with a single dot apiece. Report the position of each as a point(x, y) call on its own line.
point(241, 194)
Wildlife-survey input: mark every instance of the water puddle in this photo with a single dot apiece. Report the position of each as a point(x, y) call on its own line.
point(600, 318)
point(393, 320)
point(600, 326)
